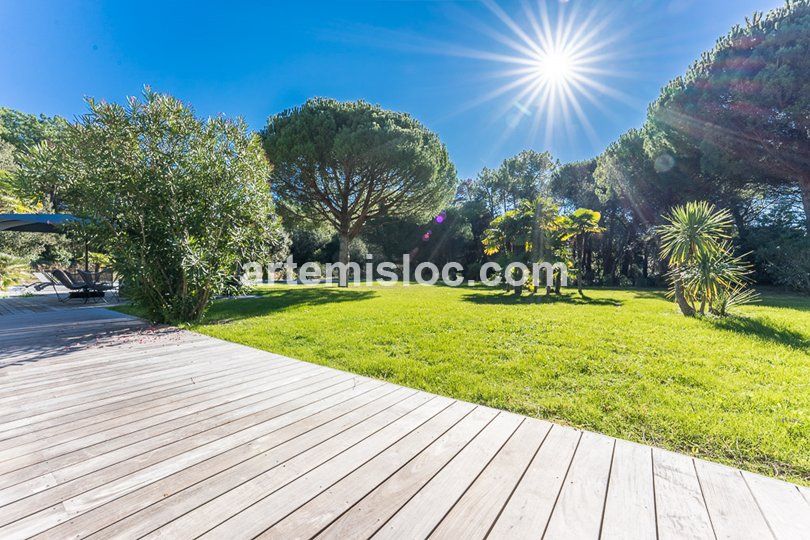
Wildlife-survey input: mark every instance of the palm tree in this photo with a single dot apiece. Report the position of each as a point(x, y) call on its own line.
point(527, 233)
point(578, 225)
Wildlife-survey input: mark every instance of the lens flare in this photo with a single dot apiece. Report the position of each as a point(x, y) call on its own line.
point(551, 65)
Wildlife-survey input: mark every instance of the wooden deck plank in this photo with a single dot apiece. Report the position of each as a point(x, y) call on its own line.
point(419, 516)
point(58, 464)
point(254, 520)
point(320, 511)
point(153, 505)
point(87, 350)
point(45, 301)
point(231, 503)
point(51, 442)
point(122, 364)
point(42, 414)
point(87, 463)
point(579, 508)
point(365, 517)
point(784, 508)
point(732, 508)
point(5, 308)
point(98, 355)
point(26, 337)
point(527, 512)
point(630, 504)
point(43, 510)
point(184, 367)
point(680, 510)
point(145, 394)
point(110, 491)
point(475, 513)
point(192, 377)
point(53, 433)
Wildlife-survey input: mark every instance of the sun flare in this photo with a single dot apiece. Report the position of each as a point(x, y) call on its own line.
point(555, 67)
point(552, 62)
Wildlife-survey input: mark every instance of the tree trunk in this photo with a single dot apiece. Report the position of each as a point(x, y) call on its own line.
point(607, 248)
point(581, 274)
point(804, 184)
point(589, 258)
point(343, 253)
point(537, 239)
point(739, 222)
point(686, 309)
point(646, 270)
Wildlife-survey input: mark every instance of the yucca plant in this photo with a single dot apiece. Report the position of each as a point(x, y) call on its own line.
point(713, 275)
point(693, 229)
point(737, 295)
point(704, 272)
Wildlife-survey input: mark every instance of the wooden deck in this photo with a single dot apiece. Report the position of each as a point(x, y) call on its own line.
point(110, 428)
point(46, 300)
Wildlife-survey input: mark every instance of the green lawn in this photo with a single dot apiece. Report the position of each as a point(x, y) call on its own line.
point(620, 362)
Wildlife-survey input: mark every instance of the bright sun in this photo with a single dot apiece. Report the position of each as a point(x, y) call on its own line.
point(555, 68)
point(552, 63)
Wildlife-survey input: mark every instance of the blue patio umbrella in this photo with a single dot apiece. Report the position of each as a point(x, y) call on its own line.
point(44, 223)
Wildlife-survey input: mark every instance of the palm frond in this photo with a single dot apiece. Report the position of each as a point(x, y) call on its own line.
point(692, 230)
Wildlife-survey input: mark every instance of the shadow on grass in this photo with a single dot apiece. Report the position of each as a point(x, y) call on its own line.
point(508, 297)
point(778, 298)
point(653, 294)
point(274, 300)
point(760, 329)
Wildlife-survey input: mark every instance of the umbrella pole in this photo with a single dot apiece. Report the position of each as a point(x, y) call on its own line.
point(85, 255)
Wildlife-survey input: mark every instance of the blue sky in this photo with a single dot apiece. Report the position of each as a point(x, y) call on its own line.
point(448, 64)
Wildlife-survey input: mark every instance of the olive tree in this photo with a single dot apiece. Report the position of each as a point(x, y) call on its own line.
point(177, 201)
point(345, 163)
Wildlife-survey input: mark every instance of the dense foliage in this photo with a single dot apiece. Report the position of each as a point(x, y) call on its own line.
point(176, 201)
point(20, 132)
point(740, 117)
point(346, 163)
point(9, 200)
point(733, 131)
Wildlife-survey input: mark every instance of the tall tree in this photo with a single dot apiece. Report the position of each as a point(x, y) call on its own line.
point(345, 163)
point(625, 171)
point(524, 176)
point(741, 114)
point(574, 184)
